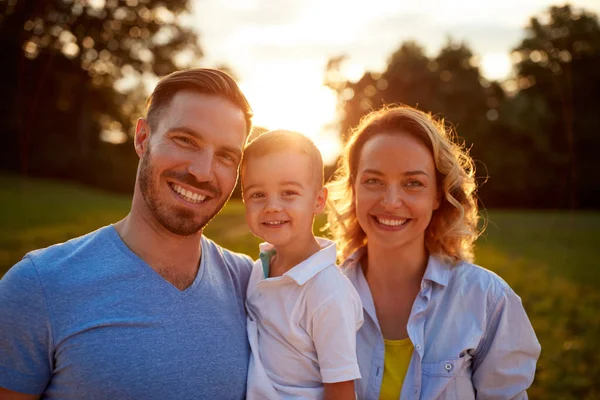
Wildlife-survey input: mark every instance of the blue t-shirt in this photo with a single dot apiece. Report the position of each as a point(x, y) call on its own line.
point(88, 319)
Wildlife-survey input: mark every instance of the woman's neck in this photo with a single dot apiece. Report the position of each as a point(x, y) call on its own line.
point(394, 267)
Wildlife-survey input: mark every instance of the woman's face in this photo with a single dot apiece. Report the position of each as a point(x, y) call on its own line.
point(395, 190)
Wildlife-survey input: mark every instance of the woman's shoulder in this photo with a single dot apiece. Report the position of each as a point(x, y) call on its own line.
point(467, 277)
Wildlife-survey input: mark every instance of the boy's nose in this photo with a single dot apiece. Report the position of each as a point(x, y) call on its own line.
point(272, 206)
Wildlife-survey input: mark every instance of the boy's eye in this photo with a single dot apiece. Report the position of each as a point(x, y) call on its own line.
point(289, 193)
point(257, 195)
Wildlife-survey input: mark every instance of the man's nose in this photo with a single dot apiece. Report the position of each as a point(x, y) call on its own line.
point(202, 166)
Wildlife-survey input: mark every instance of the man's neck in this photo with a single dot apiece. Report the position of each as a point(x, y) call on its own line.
point(176, 258)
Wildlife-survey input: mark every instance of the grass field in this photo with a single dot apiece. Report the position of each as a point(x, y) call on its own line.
point(548, 257)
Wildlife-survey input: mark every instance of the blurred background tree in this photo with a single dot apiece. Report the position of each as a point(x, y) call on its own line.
point(536, 157)
point(64, 102)
point(558, 69)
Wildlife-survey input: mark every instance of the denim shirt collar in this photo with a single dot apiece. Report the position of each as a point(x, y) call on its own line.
point(436, 271)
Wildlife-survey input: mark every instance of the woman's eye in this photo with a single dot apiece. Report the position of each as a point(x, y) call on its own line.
point(414, 184)
point(372, 181)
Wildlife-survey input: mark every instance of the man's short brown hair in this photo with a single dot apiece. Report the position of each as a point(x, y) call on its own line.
point(199, 80)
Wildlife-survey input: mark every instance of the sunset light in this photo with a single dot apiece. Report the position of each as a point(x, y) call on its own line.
point(279, 50)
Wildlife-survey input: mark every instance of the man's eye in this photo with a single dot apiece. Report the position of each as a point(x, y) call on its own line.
point(184, 141)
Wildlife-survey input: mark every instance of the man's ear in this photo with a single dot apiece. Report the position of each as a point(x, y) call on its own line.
point(142, 136)
point(321, 200)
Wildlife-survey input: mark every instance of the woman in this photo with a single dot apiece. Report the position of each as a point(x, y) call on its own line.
point(404, 215)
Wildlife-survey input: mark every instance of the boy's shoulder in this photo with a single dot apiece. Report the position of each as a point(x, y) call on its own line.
point(330, 285)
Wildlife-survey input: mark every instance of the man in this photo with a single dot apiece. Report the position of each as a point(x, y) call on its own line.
point(147, 308)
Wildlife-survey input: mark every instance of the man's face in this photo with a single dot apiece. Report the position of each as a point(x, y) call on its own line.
point(189, 162)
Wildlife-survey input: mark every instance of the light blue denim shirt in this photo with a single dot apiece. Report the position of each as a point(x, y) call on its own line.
point(472, 338)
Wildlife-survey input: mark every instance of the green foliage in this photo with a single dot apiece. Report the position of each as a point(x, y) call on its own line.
point(61, 60)
point(558, 69)
point(548, 258)
point(537, 144)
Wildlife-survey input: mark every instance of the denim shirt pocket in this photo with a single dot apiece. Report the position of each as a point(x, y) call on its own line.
point(449, 380)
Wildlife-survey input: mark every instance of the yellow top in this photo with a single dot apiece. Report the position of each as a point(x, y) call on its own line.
point(395, 365)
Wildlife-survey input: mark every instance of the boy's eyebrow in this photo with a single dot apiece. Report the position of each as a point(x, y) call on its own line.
point(292, 183)
point(283, 183)
point(192, 132)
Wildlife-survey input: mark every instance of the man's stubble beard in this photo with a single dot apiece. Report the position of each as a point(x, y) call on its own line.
point(176, 220)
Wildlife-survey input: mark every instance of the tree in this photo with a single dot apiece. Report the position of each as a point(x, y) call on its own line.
point(558, 71)
point(448, 85)
point(61, 60)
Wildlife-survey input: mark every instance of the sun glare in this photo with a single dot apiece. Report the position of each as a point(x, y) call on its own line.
point(284, 96)
point(495, 66)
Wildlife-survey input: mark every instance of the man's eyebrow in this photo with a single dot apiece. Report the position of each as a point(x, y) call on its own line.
point(192, 132)
point(185, 129)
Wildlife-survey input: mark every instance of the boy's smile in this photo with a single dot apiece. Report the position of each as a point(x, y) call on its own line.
point(282, 196)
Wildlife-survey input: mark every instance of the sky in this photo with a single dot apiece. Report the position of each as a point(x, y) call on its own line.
point(278, 49)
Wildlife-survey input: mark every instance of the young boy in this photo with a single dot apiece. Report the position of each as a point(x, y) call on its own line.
point(303, 313)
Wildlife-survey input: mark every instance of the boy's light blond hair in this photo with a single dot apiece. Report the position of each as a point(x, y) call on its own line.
point(284, 140)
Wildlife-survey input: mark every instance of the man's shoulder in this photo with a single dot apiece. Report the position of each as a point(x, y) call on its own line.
point(237, 262)
point(89, 246)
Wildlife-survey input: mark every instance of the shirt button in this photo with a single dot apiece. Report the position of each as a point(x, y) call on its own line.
point(418, 347)
point(448, 367)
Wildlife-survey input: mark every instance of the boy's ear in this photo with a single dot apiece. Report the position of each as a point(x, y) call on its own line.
point(142, 136)
point(321, 200)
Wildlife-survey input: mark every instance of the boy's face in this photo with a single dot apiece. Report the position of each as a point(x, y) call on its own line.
point(282, 194)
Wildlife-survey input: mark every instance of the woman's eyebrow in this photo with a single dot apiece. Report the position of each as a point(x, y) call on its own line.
point(407, 173)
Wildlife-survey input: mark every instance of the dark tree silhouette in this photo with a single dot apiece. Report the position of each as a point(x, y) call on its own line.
point(60, 60)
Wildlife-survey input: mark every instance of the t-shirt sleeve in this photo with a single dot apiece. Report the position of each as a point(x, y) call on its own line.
point(25, 339)
point(334, 326)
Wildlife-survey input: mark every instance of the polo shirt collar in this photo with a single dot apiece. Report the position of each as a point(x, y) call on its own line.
point(314, 264)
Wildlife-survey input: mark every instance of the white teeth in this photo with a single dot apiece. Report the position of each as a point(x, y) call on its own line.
point(274, 222)
point(188, 195)
point(391, 222)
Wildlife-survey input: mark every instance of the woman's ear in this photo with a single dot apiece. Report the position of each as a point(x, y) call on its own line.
point(321, 200)
point(142, 136)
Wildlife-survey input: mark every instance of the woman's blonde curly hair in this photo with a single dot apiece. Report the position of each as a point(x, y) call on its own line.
point(453, 227)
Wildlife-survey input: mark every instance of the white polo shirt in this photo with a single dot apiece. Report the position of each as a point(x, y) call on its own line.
point(302, 328)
